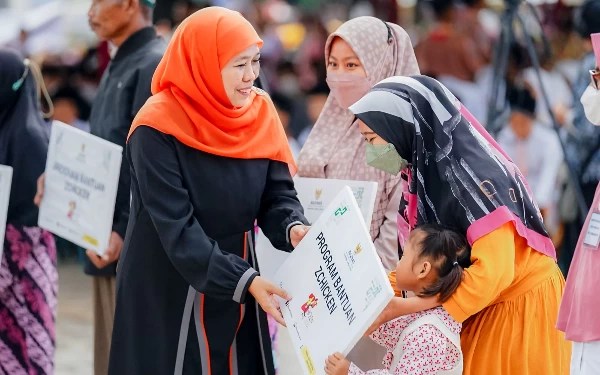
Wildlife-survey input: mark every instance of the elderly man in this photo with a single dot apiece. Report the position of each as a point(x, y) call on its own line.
point(125, 87)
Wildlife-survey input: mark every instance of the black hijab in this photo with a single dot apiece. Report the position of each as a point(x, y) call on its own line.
point(23, 142)
point(459, 176)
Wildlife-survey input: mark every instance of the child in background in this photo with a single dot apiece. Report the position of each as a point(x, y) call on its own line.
point(533, 147)
point(428, 342)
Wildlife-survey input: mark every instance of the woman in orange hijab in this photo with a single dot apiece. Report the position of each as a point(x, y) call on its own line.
point(208, 157)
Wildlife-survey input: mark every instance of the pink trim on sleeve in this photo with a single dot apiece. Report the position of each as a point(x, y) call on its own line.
point(503, 215)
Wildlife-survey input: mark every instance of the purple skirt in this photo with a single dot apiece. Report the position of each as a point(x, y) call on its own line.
point(28, 302)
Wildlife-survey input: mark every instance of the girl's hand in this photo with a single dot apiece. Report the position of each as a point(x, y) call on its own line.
point(336, 364)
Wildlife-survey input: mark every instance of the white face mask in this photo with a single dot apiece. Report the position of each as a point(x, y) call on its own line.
point(591, 104)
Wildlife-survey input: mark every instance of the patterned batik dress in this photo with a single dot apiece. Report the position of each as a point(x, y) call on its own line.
point(28, 302)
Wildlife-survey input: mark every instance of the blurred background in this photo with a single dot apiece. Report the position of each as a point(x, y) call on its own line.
point(455, 41)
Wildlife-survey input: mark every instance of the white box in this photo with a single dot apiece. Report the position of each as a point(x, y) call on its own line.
point(337, 283)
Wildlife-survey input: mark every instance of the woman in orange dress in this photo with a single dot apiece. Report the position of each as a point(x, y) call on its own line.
point(459, 177)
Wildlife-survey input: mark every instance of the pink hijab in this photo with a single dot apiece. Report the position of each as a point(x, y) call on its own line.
point(335, 148)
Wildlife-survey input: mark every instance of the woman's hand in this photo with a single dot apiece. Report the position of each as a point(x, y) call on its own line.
point(39, 195)
point(336, 364)
point(263, 291)
point(399, 306)
point(381, 319)
point(297, 233)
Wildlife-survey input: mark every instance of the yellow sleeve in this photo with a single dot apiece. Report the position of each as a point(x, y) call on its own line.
point(392, 278)
point(492, 270)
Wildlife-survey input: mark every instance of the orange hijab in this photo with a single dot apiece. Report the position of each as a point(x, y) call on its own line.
point(189, 100)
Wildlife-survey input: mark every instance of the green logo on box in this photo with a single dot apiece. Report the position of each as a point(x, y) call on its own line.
point(340, 211)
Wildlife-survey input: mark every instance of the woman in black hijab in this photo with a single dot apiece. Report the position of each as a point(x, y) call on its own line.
point(28, 277)
point(456, 175)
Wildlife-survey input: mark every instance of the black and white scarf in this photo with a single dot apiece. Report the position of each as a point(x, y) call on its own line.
point(458, 175)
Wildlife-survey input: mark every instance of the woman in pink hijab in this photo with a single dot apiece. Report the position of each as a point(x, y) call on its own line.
point(362, 52)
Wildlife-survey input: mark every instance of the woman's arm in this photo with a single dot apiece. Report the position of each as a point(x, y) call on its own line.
point(400, 306)
point(492, 270)
point(196, 257)
point(280, 209)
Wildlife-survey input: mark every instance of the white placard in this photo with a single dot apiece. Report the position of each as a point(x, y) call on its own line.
point(5, 183)
point(337, 282)
point(82, 175)
point(315, 194)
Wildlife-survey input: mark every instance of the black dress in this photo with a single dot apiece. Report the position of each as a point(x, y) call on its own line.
point(188, 259)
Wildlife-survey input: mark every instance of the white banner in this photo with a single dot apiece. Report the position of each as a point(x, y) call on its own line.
point(337, 283)
point(5, 183)
point(315, 194)
point(82, 175)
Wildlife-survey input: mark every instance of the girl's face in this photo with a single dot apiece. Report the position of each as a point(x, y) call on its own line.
point(411, 272)
point(239, 75)
point(343, 60)
point(370, 136)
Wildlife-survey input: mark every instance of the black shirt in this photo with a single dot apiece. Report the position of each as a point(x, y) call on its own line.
point(124, 88)
point(189, 247)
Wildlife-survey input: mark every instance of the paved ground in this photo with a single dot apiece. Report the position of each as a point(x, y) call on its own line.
point(74, 330)
point(74, 333)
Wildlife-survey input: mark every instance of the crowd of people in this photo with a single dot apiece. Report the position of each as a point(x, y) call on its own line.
point(479, 227)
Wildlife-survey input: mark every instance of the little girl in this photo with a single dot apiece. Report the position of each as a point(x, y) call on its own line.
point(428, 342)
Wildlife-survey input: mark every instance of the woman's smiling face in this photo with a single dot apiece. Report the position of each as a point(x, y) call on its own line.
point(239, 74)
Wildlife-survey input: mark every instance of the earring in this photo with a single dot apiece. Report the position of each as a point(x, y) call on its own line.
point(17, 85)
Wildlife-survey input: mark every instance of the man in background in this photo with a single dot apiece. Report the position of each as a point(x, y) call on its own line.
point(124, 88)
point(533, 147)
point(447, 51)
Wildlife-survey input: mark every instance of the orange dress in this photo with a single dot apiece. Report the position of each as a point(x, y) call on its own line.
point(508, 303)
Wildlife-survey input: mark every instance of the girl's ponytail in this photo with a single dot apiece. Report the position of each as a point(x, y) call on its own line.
point(450, 254)
point(446, 285)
